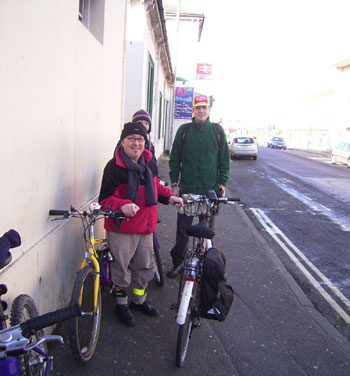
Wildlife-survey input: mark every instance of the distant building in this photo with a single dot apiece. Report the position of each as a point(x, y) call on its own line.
point(148, 70)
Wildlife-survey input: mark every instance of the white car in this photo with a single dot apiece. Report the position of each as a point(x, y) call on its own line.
point(341, 154)
point(244, 146)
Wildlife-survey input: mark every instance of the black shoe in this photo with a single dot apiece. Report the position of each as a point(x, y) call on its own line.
point(124, 315)
point(145, 308)
point(174, 271)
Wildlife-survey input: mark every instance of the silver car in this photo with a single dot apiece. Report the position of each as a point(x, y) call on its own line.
point(244, 146)
point(277, 143)
point(341, 154)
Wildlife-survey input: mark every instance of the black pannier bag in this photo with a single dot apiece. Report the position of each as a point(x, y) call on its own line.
point(216, 296)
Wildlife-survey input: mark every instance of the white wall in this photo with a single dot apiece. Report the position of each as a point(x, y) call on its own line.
point(61, 98)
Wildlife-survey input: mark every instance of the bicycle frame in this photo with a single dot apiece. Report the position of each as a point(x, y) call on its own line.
point(191, 276)
point(18, 339)
point(188, 314)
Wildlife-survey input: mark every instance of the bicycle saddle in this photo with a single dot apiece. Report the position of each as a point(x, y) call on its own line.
point(201, 230)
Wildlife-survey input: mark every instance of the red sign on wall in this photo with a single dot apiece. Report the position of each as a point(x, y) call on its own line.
point(204, 71)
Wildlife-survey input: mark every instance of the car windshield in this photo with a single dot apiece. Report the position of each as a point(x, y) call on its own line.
point(244, 140)
point(277, 139)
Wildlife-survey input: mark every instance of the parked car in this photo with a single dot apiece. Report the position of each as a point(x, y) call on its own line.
point(341, 154)
point(277, 143)
point(244, 146)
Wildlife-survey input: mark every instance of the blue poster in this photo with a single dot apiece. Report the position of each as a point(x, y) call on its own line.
point(183, 102)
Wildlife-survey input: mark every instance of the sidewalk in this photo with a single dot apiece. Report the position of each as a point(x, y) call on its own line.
point(326, 154)
point(272, 328)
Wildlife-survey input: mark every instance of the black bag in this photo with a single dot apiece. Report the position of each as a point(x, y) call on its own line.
point(216, 296)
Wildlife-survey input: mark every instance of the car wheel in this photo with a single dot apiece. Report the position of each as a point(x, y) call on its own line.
point(348, 164)
point(232, 157)
point(255, 158)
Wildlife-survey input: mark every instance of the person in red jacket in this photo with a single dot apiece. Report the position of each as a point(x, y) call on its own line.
point(130, 184)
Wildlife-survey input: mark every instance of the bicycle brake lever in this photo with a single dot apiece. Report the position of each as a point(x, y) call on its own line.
point(212, 195)
point(48, 338)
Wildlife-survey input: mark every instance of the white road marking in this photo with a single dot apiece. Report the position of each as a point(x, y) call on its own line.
point(342, 221)
point(288, 247)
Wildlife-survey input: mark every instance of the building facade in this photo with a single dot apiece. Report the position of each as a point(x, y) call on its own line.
point(148, 71)
point(61, 97)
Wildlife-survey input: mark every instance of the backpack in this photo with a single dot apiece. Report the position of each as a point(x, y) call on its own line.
point(216, 296)
point(216, 130)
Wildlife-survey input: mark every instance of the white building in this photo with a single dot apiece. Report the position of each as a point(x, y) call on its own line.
point(61, 98)
point(148, 75)
point(184, 27)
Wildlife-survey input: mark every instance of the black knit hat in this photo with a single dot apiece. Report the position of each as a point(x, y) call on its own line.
point(133, 128)
point(142, 115)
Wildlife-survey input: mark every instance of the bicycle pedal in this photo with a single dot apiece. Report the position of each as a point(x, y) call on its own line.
point(174, 307)
point(196, 324)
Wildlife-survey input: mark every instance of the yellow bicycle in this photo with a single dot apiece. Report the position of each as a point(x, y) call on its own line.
point(93, 276)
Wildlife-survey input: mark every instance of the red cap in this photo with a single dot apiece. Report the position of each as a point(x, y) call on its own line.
point(201, 100)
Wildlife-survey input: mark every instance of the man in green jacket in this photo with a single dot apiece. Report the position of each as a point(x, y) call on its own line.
point(199, 161)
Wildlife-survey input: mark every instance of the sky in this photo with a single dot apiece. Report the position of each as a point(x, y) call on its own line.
point(269, 54)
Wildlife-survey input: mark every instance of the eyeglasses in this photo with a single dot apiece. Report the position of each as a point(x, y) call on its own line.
point(140, 140)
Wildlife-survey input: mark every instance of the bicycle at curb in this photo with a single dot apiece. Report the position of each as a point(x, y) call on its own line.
point(158, 274)
point(93, 278)
point(206, 207)
point(23, 346)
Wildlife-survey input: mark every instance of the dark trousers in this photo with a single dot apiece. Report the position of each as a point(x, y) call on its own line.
point(180, 248)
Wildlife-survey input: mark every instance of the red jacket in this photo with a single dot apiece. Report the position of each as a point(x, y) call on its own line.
point(113, 195)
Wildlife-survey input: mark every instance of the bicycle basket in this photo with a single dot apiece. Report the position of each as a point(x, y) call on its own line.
point(195, 208)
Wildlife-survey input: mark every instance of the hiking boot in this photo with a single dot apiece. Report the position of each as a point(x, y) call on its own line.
point(124, 315)
point(145, 308)
point(174, 271)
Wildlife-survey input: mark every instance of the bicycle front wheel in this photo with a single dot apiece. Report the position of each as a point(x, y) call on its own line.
point(185, 330)
point(23, 308)
point(84, 330)
point(158, 274)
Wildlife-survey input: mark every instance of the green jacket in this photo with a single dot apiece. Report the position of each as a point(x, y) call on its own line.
point(199, 171)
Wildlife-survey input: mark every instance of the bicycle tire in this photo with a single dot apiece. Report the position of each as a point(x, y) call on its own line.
point(158, 274)
point(185, 331)
point(23, 308)
point(84, 330)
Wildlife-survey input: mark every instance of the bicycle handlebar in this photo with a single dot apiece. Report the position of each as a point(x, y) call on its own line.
point(30, 326)
point(16, 340)
point(59, 212)
point(211, 197)
point(69, 213)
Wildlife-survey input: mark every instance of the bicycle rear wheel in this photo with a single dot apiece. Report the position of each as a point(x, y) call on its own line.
point(23, 308)
point(185, 330)
point(159, 276)
point(84, 330)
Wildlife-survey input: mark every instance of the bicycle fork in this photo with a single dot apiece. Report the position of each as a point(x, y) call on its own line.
point(92, 258)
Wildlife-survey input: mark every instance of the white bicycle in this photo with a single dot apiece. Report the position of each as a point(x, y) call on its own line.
point(188, 314)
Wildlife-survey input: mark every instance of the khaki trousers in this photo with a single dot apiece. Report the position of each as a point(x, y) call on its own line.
point(133, 263)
